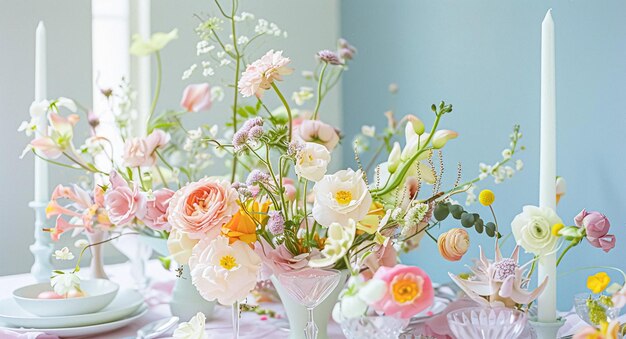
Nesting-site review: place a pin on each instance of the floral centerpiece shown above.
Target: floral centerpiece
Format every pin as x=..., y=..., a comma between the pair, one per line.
x=275, y=208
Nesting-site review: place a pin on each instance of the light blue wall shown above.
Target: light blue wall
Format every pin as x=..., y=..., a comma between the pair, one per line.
x=484, y=57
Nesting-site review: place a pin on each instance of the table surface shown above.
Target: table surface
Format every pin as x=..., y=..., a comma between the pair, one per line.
x=251, y=325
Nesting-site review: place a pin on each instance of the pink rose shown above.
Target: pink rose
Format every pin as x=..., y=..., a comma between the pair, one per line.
x=156, y=210
x=606, y=243
x=142, y=151
x=196, y=97
x=123, y=204
x=319, y=132
x=597, y=227
x=201, y=208
x=409, y=291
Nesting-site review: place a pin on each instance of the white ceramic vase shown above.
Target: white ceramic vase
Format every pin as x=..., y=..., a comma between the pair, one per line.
x=187, y=301
x=297, y=314
x=96, y=268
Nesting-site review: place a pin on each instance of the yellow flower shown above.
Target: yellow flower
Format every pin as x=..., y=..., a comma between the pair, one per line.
x=486, y=197
x=556, y=228
x=371, y=221
x=598, y=282
x=243, y=224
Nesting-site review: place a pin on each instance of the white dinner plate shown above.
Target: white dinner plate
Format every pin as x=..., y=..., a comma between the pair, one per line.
x=126, y=302
x=87, y=330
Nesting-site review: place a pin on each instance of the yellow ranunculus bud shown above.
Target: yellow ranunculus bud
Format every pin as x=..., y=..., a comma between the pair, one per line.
x=556, y=228
x=598, y=282
x=486, y=197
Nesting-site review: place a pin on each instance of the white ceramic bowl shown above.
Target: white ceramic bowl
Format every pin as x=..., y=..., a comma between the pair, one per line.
x=98, y=294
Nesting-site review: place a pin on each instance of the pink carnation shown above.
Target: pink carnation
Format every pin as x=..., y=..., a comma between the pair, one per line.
x=123, y=203
x=201, y=208
x=409, y=291
x=156, y=210
x=260, y=74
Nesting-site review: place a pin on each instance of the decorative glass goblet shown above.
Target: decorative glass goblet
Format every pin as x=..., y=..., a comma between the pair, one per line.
x=487, y=323
x=309, y=287
x=594, y=309
x=375, y=327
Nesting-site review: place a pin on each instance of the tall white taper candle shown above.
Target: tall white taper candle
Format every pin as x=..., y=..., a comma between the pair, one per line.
x=140, y=65
x=42, y=248
x=546, y=305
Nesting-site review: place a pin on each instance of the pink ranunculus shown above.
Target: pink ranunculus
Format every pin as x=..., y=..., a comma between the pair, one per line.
x=196, y=98
x=409, y=291
x=606, y=243
x=142, y=151
x=319, y=132
x=278, y=260
x=201, y=208
x=123, y=203
x=156, y=210
x=595, y=223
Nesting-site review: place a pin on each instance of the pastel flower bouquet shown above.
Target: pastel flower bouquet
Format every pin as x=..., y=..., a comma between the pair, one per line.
x=276, y=208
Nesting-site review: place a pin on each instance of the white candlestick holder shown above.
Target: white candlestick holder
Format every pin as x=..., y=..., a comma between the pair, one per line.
x=42, y=248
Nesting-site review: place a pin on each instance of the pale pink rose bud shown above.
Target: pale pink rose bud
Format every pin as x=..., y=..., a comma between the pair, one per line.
x=290, y=189
x=453, y=244
x=441, y=137
x=596, y=225
x=156, y=210
x=123, y=203
x=196, y=97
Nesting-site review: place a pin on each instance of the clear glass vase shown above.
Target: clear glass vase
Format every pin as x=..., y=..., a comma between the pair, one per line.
x=603, y=309
x=374, y=327
x=487, y=323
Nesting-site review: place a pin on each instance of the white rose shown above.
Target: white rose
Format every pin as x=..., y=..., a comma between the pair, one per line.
x=532, y=229
x=340, y=197
x=180, y=245
x=312, y=161
x=224, y=272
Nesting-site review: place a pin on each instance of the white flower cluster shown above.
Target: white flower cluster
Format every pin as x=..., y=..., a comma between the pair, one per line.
x=499, y=172
x=303, y=95
x=471, y=196
x=265, y=27
x=416, y=214
x=244, y=16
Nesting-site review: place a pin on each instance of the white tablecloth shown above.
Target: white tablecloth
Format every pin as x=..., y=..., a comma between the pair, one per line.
x=220, y=327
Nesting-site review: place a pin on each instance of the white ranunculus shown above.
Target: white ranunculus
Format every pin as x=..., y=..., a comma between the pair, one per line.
x=352, y=306
x=372, y=291
x=532, y=229
x=224, y=272
x=340, y=197
x=194, y=329
x=180, y=245
x=339, y=238
x=65, y=283
x=312, y=161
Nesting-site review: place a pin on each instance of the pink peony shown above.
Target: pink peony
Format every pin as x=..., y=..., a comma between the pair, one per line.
x=156, y=210
x=201, y=208
x=409, y=291
x=260, y=74
x=319, y=132
x=142, y=151
x=597, y=227
x=196, y=97
x=123, y=203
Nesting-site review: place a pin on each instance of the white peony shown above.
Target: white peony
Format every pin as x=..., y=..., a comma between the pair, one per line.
x=180, y=245
x=224, y=272
x=340, y=197
x=532, y=229
x=312, y=161
x=338, y=241
x=194, y=329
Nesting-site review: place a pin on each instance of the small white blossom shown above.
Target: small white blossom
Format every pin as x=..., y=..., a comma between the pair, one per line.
x=506, y=153
x=471, y=196
x=416, y=213
x=246, y=16
x=228, y=47
x=208, y=72
x=195, y=134
x=64, y=283
x=224, y=62
x=63, y=254
x=242, y=40
x=307, y=75
x=28, y=127
x=220, y=54
x=303, y=95
x=187, y=73
x=213, y=131
x=188, y=145
x=217, y=93
x=368, y=131
x=81, y=243
x=519, y=164
x=203, y=47
x=509, y=171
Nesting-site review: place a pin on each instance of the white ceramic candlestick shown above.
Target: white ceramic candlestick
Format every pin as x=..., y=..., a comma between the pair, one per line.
x=42, y=248
x=140, y=65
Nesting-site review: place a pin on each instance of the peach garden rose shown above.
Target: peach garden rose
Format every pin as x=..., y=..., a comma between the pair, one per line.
x=201, y=208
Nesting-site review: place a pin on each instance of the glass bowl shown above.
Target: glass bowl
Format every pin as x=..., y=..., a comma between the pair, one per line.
x=487, y=323
x=375, y=327
x=603, y=309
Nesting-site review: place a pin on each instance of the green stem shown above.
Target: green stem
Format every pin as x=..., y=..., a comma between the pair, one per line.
x=282, y=99
x=157, y=90
x=143, y=186
x=237, y=71
x=162, y=177
x=319, y=91
x=571, y=244
x=80, y=256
